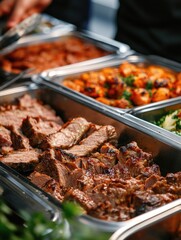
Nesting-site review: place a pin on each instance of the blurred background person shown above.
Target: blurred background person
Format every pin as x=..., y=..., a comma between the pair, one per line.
x=151, y=26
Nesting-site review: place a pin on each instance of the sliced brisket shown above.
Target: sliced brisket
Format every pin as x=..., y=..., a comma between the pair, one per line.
x=69, y=135
x=19, y=141
x=47, y=184
x=22, y=160
x=145, y=201
x=94, y=141
x=37, y=130
x=5, y=137
x=82, y=198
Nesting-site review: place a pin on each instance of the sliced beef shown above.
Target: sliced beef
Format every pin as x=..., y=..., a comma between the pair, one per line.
x=5, y=150
x=92, y=165
x=150, y=181
x=12, y=118
x=47, y=184
x=137, y=161
x=56, y=154
x=54, y=169
x=45, y=112
x=15, y=117
x=5, y=137
x=19, y=140
x=14, y=114
x=92, y=128
x=120, y=170
x=170, y=184
x=26, y=101
x=105, y=211
x=145, y=201
x=37, y=130
x=22, y=160
x=174, y=178
x=39, y=179
x=54, y=189
x=82, y=198
x=94, y=141
x=109, y=155
x=132, y=151
x=70, y=134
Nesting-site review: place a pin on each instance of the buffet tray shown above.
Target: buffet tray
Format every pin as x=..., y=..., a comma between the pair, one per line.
x=68, y=105
x=50, y=24
x=58, y=75
x=114, y=48
x=153, y=113
x=163, y=223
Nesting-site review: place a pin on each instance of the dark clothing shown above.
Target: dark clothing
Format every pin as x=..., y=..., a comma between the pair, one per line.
x=76, y=12
x=151, y=26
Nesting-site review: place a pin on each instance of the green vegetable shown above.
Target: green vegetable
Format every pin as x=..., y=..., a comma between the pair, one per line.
x=126, y=95
x=128, y=80
x=37, y=227
x=171, y=121
x=149, y=85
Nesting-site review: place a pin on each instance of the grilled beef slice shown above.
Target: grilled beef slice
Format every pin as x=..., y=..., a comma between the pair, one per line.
x=22, y=160
x=137, y=161
x=108, y=155
x=145, y=201
x=54, y=169
x=47, y=184
x=94, y=141
x=26, y=101
x=37, y=130
x=19, y=141
x=92, y=165
x=169, y=184
x=70, y=134
x=132, y=151
x=5, y=137
x=15, y=117
x=82, y=198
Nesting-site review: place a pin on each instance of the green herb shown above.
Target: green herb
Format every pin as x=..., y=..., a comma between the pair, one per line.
x=149, y=85
x=37, y=227
x=126, y=95
x=128, y=80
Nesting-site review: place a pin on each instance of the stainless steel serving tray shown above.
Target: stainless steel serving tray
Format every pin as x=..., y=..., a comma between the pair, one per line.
x=50, y=24
x=116, y=48
x=166, y=153
x=153, y=113
x=160, y=224
x=58, y=75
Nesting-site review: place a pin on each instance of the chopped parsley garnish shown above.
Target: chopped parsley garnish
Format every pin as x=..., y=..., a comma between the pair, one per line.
x=149, y=85
x=128, y=80
x=126, y=95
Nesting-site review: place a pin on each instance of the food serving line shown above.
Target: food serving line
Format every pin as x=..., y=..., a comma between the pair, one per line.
x=131, y=124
